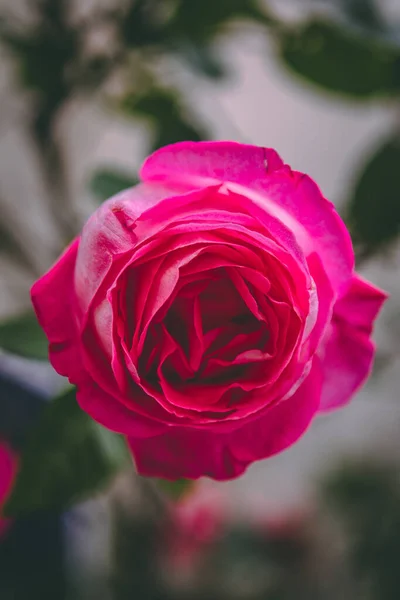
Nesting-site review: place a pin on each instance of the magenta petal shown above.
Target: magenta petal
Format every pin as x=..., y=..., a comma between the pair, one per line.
x=108, y=411
x=185, y=452
x=54, y=301
x=346, y=364
x=192, y=453
x=108, y=235
x=361, y=305
x=281, y=425
x=347, y=357
x=199, y=164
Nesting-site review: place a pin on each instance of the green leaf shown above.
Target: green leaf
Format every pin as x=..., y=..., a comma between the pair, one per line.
x=364, y=12
x=145, y=22
x=23, y=336
x=43, y=56
x=175, y=130
x=342, y=60
x=46, y=59
x=373, y=211
x=202, y=59
x=162, y=22
x=169, y=119
x=176, y=490
x=200, y=20
x=108, y=182
x=67, y=458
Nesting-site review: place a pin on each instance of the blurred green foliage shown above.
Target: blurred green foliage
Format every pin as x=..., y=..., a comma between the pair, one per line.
x=44, y=54
x=364, y=12
x=366, y=499
x=293, y=558
x=135, y=548
x=353, y=51
x=107, y=182
x=169, y=121
x=66, y=458
x=342, y=60
x=23, y=336
x=373, y=210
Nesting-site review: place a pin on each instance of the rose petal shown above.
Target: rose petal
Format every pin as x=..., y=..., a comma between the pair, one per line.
x=220, y=207
x=306, y=212
x=193, y=453
x=108, y=235
x=54, y=301
x=347, y=362
x=347, y=357
x=111, y=413
x=361, y=305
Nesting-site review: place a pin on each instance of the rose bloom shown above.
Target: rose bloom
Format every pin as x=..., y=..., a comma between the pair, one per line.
x=210, y=312
x=8, y=466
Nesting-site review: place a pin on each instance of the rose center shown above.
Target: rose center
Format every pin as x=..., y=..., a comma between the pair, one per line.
x=208, y=335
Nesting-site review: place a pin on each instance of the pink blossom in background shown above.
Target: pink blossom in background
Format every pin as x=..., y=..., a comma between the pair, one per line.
x=211, y=312
x=8, y=466
x=278, y=523
x=195, y=523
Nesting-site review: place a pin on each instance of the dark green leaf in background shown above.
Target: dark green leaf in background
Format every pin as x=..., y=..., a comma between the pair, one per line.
x=45, y=49
x=169, y=119
x=156, y=22
x=342, y=60
x=364, y=12
x=187, y=28
x=107, y=182
x=145, y=22
x=45, y=55
x=175, y=130
x=22, y=335
x=200, y=20
x=67, y=458
x=374, y=208
x=365, y=499
x=201, y=58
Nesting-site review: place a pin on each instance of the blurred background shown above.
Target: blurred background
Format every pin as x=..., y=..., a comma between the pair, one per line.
x=87, y=89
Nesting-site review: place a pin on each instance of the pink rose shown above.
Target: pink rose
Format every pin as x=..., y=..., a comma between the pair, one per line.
x=8, y=466
x=210, y=312
x=196, y=523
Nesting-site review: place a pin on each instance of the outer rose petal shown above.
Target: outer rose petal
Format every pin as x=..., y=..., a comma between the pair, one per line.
x=53, y=299
x=111, y=413
x=109, y=233
x=361, y=304
x=193, y=453
x=62, y=296
x=347, y=357
x=198, y=164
